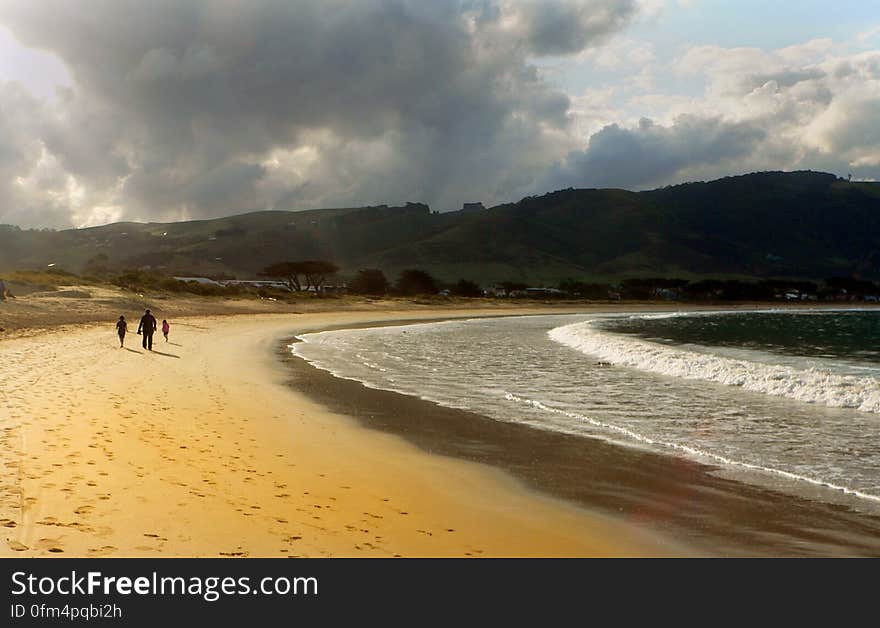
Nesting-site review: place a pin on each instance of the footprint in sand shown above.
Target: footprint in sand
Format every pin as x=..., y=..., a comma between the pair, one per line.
x=16, y=546
x=155, y=536
x=50, y=545
x=101, y=551
x=103, y=532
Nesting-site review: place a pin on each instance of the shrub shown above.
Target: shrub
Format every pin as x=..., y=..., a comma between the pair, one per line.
x=370, y=281
x=412, y=282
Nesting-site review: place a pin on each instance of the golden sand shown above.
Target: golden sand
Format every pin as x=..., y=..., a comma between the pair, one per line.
x=200, y=449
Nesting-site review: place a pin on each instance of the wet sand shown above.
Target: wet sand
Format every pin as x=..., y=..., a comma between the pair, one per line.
x=680, y=499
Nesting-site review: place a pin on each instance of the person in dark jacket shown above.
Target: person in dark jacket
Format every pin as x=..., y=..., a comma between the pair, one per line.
x=148, y=327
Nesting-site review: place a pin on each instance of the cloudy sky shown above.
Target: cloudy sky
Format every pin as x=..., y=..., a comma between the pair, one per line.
x=178, y=109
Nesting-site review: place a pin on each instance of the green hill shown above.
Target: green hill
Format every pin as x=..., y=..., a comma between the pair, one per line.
x=771, y=224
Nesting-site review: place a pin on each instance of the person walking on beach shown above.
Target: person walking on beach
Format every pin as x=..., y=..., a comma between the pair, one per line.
x=121, y=328
x=148, y=327
x=165, y=329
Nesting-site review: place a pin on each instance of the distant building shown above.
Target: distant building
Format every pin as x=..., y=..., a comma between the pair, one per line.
x=330, y=289
x=500, y=291
x=244, y=283
x=256, y=283
x=799, y=295
x=667, y=294
x=201, y=280
x=544, y=292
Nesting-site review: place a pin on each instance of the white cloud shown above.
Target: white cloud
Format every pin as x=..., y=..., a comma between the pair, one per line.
x=813, y=105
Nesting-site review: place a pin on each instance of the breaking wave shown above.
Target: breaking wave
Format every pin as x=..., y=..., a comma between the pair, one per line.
x=810, y=385
x=695, y=452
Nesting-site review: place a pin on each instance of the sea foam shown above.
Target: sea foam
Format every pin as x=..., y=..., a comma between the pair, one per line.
x=810, y=385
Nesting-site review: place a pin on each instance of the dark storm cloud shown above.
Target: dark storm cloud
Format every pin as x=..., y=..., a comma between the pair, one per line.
x=182, y=108
x=558, y=27
x=652, y=154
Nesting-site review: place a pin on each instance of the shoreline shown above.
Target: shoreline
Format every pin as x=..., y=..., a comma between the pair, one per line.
x=200, y=449
x=28, y=316
x=687, y=501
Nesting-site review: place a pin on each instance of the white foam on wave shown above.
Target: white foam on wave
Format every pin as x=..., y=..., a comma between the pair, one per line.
x=693, y=452
x=808, y=385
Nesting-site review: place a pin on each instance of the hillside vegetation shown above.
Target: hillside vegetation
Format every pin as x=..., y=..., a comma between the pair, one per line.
x=773, y=224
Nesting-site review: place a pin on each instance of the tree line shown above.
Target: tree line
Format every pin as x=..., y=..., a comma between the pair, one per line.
x=313, y=276
x=310, y=275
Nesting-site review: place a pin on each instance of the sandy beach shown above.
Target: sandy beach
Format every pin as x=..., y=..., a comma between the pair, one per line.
x=200, y=449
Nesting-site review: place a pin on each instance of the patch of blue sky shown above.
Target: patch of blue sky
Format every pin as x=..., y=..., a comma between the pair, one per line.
x=682, y=24
x=766, y=24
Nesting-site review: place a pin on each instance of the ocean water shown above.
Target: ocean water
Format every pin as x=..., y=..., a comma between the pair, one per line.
x=789, y=400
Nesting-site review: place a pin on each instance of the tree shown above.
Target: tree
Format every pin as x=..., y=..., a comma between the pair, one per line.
x=466, y=288
x=315, y=273
x=851, y=285
x=370, y=281
x=413, y=281
x=585, y=290
x=288, y=272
